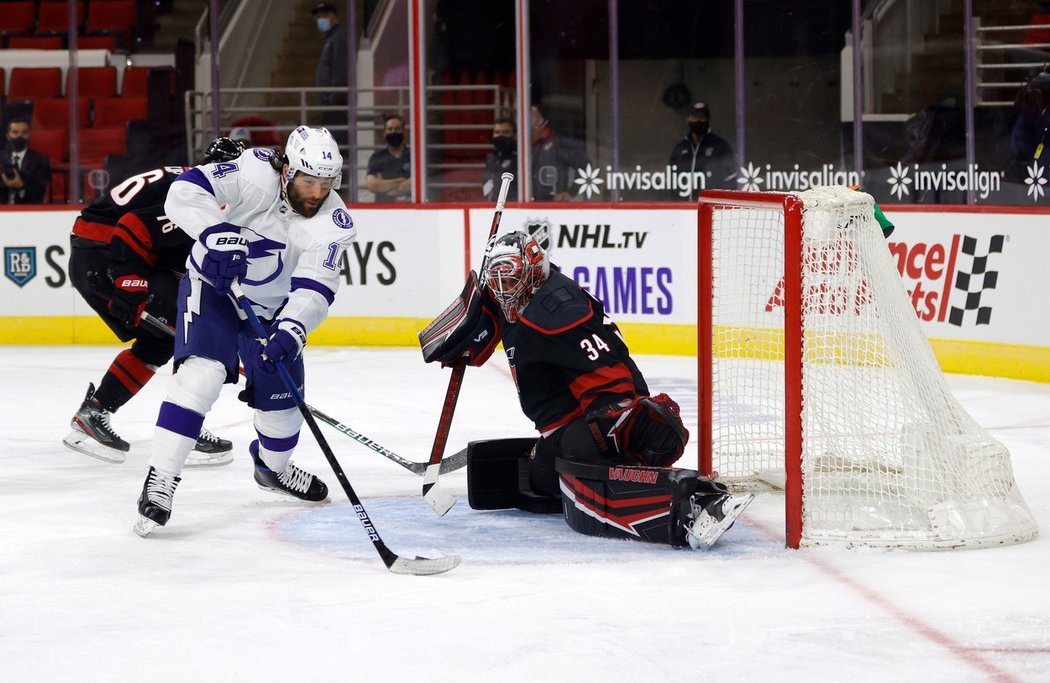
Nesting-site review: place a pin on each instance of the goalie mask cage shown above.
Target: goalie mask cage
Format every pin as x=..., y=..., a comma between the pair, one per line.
x=815, y=377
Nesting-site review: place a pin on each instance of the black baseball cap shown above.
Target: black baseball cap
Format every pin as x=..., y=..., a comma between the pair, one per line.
x=700, y=108
x=324, y=7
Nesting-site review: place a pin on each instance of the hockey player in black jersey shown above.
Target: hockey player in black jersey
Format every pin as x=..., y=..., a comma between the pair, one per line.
x=606, y=445
x=126, y=257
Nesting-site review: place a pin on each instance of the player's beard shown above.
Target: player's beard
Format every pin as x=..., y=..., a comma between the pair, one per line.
x=300, y=203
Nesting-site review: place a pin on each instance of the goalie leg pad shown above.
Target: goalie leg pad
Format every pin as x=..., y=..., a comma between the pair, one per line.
x=498, y=477
x=623, y=501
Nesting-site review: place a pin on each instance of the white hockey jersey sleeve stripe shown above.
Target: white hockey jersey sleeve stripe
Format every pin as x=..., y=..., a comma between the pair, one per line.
x=195, y=176
x=313, y=285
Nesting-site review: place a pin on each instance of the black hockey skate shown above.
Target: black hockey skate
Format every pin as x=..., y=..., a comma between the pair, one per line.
x=712, y=516
x=292, y=482
x=210, y=451
x=155, y=502
x=91, y=433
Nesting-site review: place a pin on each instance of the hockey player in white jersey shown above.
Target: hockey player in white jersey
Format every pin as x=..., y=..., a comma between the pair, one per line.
x=270, y=221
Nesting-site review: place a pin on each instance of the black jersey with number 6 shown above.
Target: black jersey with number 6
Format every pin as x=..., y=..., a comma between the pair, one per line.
x=567, y=356
x=130, y=220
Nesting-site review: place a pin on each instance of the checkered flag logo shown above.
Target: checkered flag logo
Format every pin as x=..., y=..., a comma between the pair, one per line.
x=975, y=282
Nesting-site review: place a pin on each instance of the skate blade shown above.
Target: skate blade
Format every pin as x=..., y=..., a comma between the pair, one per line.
x=144, y=527
x=82, y=443
x=707, y=537
x=198, y=459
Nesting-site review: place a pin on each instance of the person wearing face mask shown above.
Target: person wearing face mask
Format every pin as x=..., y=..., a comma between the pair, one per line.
x=556, y=160
x=389, y=174
x=331, y=70
x=502, y=159
x=701, y=151
x=24, y=172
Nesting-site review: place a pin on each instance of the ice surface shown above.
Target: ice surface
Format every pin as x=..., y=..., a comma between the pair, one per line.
x=245, y=585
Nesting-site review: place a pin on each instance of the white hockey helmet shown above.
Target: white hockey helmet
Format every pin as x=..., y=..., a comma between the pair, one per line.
x=314, y=152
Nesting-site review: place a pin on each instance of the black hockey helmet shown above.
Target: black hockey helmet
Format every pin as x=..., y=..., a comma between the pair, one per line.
x=222, y=149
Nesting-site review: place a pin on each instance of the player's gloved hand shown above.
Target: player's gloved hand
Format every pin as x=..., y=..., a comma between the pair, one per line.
x=226, y=259
x=285, y=343
x=647, y=429
x=128, y=299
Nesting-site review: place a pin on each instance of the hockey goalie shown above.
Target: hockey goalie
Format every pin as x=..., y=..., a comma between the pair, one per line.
x=605, y=447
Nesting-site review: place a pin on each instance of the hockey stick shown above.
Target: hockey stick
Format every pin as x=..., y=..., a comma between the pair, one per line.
x=449, y=464
x=439, y=499
x=420, y=566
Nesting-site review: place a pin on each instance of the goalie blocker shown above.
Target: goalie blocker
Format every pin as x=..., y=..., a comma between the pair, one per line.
x=663, y=505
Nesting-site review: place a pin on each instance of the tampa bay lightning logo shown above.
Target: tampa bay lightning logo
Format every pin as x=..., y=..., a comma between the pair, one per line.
x=262, y=153
x=341, y=217
x=263, y=252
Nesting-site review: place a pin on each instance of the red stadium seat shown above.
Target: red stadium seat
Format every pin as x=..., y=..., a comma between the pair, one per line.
x=136, y=81
x=17, y=18
x=35, y=43
x=52, y=142
x=54, y=113
x=35, y=82
x=97, y=43
x=111, y=112
x=95, y=81
x=53, y=17
x=113, y=17
x=98, y=143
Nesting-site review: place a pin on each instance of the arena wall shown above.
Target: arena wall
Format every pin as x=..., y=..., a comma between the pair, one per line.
x=978, y=277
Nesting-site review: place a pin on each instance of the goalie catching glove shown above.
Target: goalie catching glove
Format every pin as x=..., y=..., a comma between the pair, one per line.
x=128, y=299
x=647, y=429
x=467, y=330
x=285, y=343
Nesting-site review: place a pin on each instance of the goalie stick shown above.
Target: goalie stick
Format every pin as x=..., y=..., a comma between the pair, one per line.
x=449, y=464
x=439, y=499
x=419, y=566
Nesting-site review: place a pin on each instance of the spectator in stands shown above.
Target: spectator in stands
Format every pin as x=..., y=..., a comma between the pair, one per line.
x=502, y=158
x=1028, y=139
x=24, y=172
x=556, y=159
x=331, y=70
x=241, y=135
x=701, y=151
x=255, y=131
x=390, y=169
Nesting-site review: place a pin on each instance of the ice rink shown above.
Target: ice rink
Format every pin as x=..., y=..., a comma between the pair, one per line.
x=243, y=585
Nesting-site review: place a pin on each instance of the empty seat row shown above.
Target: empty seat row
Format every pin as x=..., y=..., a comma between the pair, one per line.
x=93, y=81
x=107, y=42
x=113, y=17
x=101, y=112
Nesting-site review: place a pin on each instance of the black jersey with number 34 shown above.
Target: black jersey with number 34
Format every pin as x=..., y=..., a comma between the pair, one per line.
x=567, y=356
x=142, y=238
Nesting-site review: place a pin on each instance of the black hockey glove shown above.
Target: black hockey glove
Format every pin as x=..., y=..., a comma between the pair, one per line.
x=467, y=330
x=128, y=299
x=647, y=429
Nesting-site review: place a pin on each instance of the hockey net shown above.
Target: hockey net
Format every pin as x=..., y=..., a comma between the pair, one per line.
x=816, y=377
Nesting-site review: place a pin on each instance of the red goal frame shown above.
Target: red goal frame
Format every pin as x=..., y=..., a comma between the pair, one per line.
x=791, y=208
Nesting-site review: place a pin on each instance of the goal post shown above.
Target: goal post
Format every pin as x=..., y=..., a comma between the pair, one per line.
x=815, y=377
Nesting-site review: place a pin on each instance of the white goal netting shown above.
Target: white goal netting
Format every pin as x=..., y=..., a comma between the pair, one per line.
x=888, y=456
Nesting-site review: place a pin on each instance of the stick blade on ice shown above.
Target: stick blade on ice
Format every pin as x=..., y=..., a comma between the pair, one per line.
x=422, y=566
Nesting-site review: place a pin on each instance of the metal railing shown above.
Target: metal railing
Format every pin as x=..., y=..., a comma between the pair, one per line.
x=299, y=106
x=1005, y=65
